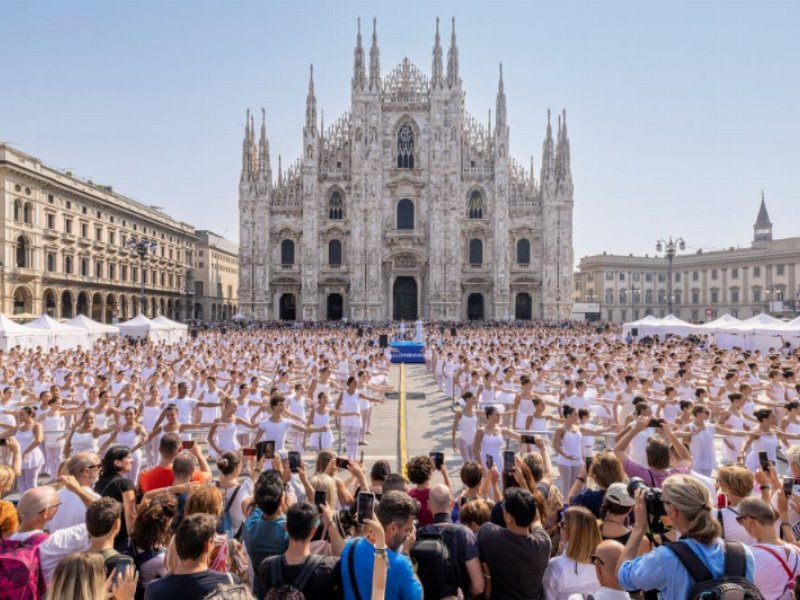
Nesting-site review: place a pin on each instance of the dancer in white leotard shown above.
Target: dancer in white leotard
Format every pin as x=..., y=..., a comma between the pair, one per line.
x=568, y=443
x=85, y=436
x=275, y=428
x=54, y=427
x=224, y=433
x=320, y=417
x=30, y=437
x=465, y=423
x=490, y=438
x=349, y=411
x=130, y=435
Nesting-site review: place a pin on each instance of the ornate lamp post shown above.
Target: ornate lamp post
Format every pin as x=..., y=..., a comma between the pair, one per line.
x=670, y=248
x=141, y=247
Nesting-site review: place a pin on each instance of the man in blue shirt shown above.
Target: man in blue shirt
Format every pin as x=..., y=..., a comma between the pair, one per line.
x=688, y=506
x=395, y=512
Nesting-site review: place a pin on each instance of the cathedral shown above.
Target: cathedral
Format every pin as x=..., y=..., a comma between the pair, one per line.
x=405, y=207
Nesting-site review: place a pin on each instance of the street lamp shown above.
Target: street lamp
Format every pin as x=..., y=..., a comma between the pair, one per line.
x=141, y=247
x=670, y=248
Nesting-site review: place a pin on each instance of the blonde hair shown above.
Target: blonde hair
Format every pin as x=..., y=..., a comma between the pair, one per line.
x=208, y=499
x=7, y=479
x=582, y=532
x=606, y=469
x=79, y=576
x=739, y=480
x=325, y=483
x=691, y=499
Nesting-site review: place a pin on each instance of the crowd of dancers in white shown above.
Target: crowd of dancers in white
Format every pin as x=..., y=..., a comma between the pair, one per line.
x=582, y=390
x=293, y=387
x=311, y=390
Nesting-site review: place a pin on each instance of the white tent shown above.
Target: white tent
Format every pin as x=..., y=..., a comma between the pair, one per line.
x=13, y=334
x=719, y=323
x=178, y=331
x=66, y=337
x=675, y=326
x=646, y=326
x=93, y=328
x=239, y=317
x=743, y=333
x=141, y=327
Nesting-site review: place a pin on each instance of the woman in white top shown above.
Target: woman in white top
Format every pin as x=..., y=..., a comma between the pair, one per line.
x=701, y=433
x=490, y=438
x=348, y=408
x=791, y=422
x=54, y=427
x=84, y=435
x=568, y=443
x=151, y=410
x=130, y=435
x=523, y=404
x=29, y=436
x=733, y=419
x=275, y=428
x=319, y=417
x=573, y=572
x=465, y=422
x=223, y=436
x=766, y=437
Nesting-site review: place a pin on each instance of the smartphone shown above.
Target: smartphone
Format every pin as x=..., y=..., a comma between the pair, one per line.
x=122, y=566
x=508, y=461
x=528, y=439
x=320, y=498
x=361, y=457
x=788, y=485
x=187, y=444
x=489, y=461
x=365, y=506
x=294, y=461
x=588, y=463
x=655, y=423
x=3, y=441
x=342, y=463
x=438, y=459
x=763, y=458
x=248, y=452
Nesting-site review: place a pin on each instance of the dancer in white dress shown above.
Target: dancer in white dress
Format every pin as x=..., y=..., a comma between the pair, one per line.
x=320, y=417
x=130, y=434
x=54, y=426
x=490, y=438
x=348, y=408
x=465, y=423
x=223, y=436
x=733, y=418
x=30, y=436
x=275, y=428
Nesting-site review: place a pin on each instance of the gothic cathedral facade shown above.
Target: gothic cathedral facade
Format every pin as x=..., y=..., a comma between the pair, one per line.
x=406, y=207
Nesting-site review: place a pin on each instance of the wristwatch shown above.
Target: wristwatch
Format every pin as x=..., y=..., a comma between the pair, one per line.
x=381, y=552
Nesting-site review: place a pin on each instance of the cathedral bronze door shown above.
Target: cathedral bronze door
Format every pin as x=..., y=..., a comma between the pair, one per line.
x=287, y=308
x=523, y=307
x=335, y=307
x=475, y=307
x=404, y=299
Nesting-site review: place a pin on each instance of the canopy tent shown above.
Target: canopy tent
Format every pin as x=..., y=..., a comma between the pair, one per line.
x=95, y=330
x=239, y=317
x=140, y=327
x=178, y=331
x=743, y=334
x=65, y=337
x=13, y=334
x=646, y=326
x=672, y=325
x=719, y=323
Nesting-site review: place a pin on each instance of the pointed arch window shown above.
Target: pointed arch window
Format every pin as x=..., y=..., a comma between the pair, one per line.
x=475, y=205
x=335, y=252
x=475, y=252
x=405, y=147
x=287, y=252
x=336, y=206
x=405, y=214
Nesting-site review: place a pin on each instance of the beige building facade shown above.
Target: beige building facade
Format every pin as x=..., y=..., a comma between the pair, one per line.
x=216, y=277
x=742, y=282
x=66, y=248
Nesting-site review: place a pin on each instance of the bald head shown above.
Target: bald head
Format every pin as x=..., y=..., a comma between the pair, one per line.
x=34, y=503
x=440, y=499
x=608, y=552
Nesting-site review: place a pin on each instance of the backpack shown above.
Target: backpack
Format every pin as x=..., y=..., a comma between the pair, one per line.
x=225, y=522
x=733, y=584
x=21, y=576
x=436, y=568
x=280, y=590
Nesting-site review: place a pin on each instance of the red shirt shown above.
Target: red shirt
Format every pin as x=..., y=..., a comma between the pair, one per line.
x=160, y=477
x=424, y=515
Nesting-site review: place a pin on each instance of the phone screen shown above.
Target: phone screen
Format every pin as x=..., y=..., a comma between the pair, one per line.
x=320, y=498
x=3, y=441
x=248, y=451
x=588, y=463
x=342, y=463
x=365, y=505
x=294, y=461
x=528, y=439
x=788, y=485
x=187, y=444
x=508, y=461
x=763, y=458
x=654, y=423
x=123, y=564
x=438, y=459
x=489, y=461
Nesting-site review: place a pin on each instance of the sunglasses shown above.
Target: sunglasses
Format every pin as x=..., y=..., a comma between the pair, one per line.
x=740, y=518
x=596, y=559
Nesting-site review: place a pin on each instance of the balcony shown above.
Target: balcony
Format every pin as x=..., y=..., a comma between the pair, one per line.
x=98, y=245
x=85, y=242
x=51, y=234
x=21, y=274
x=68, y=237
x=405, y=236
x=111, y=248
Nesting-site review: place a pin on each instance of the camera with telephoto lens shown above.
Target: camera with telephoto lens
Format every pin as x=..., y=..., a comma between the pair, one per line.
x=653, y=502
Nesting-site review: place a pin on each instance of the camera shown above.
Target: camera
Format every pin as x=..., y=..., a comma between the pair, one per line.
x=653, y=502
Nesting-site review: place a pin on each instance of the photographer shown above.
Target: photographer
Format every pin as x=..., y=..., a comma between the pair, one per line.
x=658, y=452
x=687, y=504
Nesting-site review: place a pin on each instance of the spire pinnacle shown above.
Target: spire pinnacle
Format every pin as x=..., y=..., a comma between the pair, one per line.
x=453, y=78
x=311, y=105
x=359, y=70
x=547, y=153
x=247, y=148
x=437, y=72
x=500, y=112
x=374, y=59
x=763, y=226
x=263, y=149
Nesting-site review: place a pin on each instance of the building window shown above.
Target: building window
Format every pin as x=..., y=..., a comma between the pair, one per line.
x=287, y=252
x=609, y=297
x=713, y=274
x=405, y=147
x=230, y=292
x=51, y=221
x=636, y=276
x=112, y=271
x=734, y=295
x=695, y=315
x=475, y=205
x=23, y=252
x=623, y=297
x=219, y=290
x=85, y=267
x=51, y=262
x=714, y=296
x=475, y=252
x=610, y=315
x=661, y=277
x=662, y=297
x=624, y=315
x=648, y=296
x=677, y=277
x=98, y=269
x=523, y=252
x=163, y=279
x=112, y=238
x=336, y=206
x=124, y=272
x=609, y=276
x=98, y=234
x=695, y=276
x=779, y=269
x=335, y=252
x=756, y=294
x=735, y=314
x=756, y=271
x=405, y=214
x=67, y=225
x=27, y=213
x=648, y=277
x=734, y=273
x=17, y=210
x=68, y=265
x=695, y=296
x=621, y=276
x=84, y=230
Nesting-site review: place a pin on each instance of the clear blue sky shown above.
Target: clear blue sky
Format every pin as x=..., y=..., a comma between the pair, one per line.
x=679, y=113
